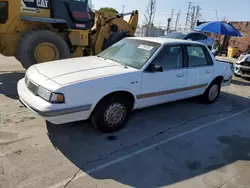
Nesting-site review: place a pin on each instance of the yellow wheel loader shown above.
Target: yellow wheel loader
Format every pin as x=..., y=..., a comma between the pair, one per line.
x=37, y=31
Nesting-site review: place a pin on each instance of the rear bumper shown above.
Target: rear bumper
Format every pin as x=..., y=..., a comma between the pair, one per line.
x=54, y=113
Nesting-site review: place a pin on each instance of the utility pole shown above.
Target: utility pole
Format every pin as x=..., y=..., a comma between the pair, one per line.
x=197, y=15
x=177, y=20
x=216, y=12
x=123, y=9
x=188, y=14
x=192, y=17
x=172, y=18
x=168, y=28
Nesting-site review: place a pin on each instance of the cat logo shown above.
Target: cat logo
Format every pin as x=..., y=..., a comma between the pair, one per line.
x=42, y=3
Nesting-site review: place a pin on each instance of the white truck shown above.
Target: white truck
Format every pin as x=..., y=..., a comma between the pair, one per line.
x=132, y=74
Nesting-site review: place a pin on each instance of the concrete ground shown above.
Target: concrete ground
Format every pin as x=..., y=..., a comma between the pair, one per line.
x=183, y=144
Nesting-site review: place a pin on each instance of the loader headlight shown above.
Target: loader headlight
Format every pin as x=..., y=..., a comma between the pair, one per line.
x=50, y=96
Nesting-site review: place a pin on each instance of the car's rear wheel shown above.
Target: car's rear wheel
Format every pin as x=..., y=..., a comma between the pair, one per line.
x=212, y=92
x=111, y=114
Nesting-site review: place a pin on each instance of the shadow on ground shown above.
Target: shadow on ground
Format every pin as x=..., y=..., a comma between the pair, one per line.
x=8, y=83
x=85, y=147
x=241, y=82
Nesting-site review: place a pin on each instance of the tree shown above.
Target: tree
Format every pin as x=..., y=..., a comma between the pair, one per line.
x=108, y=9
x=149, y=15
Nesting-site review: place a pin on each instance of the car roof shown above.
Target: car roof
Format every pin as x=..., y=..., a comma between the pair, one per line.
x=189, y=32
x=165, y=40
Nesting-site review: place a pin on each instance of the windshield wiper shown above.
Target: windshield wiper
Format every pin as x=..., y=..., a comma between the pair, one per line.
x=123, y=64
x=102, y=57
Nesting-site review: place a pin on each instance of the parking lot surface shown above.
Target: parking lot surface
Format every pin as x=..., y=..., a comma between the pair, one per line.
x=181, y=144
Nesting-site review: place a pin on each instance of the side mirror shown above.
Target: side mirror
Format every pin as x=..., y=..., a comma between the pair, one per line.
x=156, y=68
x=189, y=39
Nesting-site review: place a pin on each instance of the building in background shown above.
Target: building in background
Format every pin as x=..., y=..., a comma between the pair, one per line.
x=242, y=44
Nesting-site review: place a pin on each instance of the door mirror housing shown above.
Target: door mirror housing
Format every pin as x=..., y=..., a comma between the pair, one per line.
x=156, y=68
x=189, y=39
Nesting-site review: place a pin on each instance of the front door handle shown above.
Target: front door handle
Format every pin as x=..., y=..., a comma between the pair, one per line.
x=180, y=75
x=208, y=72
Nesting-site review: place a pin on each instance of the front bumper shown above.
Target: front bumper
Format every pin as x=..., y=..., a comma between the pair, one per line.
x=243, y=71
x=54, y=113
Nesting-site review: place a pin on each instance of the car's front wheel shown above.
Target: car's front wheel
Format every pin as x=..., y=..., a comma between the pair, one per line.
x=111, y=114
x=212, y=92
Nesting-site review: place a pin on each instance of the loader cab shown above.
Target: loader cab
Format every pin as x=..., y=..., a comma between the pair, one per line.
x=4, y=12
x=75, y=12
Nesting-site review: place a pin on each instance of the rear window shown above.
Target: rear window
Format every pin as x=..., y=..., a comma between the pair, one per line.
x=201, y=37
x=3, y=12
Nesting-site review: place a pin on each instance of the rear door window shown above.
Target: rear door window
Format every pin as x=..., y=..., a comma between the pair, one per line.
x=197, y=56
x=170, y=57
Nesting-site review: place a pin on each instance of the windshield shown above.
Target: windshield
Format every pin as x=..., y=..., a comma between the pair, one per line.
x=175, y=35
x=131, y=52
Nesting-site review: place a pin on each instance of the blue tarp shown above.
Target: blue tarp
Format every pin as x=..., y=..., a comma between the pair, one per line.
x=219, y=28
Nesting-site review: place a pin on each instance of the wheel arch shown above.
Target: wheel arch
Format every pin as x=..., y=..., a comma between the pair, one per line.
x=216, y=79
x=124, y=93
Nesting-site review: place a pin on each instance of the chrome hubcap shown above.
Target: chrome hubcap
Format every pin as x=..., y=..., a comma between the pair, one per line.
x=213, y=92
x=114, y=114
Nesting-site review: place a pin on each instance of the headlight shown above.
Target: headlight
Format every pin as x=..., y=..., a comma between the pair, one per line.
x=44, y=93
x=50, y=96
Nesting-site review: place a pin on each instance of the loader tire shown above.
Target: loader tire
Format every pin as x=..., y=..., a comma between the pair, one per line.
x=38, y=46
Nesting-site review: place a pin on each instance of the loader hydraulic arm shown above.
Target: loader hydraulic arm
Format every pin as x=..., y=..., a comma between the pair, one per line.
x=110, y=27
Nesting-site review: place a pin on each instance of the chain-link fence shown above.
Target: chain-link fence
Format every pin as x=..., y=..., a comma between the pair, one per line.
x=146, y=31
x=143, y=31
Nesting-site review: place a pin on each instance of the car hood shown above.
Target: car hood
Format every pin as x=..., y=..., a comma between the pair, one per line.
x=73, y=70
x=243, y=58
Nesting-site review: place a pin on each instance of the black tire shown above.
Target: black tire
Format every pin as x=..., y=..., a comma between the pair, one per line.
x=206, y=97
x=98, y=116
x=32, y=39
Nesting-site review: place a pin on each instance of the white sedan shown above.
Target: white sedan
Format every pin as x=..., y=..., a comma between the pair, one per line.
x=132, y=74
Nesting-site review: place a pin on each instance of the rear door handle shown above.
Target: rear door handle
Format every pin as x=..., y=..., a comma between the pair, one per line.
x=180, y=75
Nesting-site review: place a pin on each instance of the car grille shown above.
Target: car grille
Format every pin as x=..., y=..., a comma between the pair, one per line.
x=245, y=63
x=246, y=72
x=31, y=86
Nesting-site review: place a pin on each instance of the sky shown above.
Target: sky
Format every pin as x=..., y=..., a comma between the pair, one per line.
x=231, y=9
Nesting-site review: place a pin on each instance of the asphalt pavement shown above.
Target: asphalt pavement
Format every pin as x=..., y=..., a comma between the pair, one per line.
x=181, y=144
